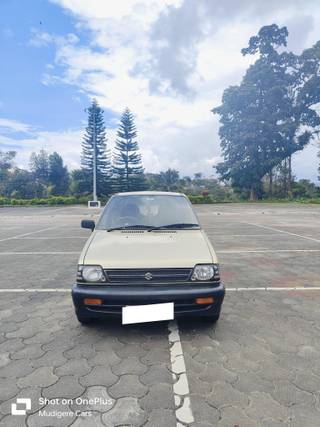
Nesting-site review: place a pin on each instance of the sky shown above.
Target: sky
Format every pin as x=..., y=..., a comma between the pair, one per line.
x=169, y=61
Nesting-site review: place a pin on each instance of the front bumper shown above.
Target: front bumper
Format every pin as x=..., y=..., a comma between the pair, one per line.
x=115, y=297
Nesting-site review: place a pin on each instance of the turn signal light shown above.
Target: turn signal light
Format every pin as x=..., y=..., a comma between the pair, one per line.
x=207, y=300
x=92, y=301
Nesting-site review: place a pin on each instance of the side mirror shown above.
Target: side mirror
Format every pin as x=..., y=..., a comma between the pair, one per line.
x=88, y=223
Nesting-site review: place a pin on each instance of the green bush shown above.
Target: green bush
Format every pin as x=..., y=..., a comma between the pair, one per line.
x=315, y=201
x=48, y=201
x=83, y=200
x=201, y=199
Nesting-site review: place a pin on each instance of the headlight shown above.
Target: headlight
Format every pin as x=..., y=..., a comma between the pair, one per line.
x=205, y=272
x=90, y=273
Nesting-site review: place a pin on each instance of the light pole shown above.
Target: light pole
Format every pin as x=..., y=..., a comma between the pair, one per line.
x=94, y=161
x=95, y=203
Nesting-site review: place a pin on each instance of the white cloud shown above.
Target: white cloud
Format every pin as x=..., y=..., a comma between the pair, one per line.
x=135, y=44
x=66, y=142
x=305, y=163
x=9, y=126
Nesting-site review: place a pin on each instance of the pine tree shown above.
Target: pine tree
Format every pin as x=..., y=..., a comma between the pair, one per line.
x=96, y=132
x=127, y=164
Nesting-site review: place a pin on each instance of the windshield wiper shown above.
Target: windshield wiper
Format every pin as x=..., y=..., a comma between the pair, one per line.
x=179, y=225
x=131, y=227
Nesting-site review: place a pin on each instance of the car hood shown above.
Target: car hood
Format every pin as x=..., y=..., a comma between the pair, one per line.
x=141, y=249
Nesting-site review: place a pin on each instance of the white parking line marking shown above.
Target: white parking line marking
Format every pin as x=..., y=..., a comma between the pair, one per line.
x=249, y=251
x=239, y=289
x=283, y=231
x=28, y=234
x=179, y=375
x=275, y=288
x=213, y=234
x=227, y=251
x=52, y=238
x=41, y=253
x=49, y=290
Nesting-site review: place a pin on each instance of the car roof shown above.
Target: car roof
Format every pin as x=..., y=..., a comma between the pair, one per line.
x=149, y=193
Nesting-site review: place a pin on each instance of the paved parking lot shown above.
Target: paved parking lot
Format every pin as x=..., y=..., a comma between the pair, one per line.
x=259, y=366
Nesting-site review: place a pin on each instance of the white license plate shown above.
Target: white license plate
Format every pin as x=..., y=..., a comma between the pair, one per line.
x=147, y=313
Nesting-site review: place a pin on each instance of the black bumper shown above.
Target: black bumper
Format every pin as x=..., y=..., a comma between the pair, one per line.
x=115, y=297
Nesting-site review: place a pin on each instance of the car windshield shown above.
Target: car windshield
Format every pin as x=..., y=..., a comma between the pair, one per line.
x=148, y=211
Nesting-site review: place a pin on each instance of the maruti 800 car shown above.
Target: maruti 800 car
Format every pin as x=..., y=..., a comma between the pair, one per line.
x=147, y=259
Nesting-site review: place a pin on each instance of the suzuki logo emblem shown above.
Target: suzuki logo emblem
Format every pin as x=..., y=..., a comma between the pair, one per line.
x=148, y=276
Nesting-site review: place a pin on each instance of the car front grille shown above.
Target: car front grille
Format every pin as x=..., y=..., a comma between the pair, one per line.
x=152, y=275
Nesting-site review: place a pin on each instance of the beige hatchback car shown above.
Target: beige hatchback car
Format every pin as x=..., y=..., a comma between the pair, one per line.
x=147, y=259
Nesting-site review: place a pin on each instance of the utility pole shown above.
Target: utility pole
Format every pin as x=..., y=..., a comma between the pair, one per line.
x=95, y=203
x=94, y=161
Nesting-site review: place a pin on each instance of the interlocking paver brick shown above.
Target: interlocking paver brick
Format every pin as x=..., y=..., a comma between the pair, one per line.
x=126, y=411
x=10, y=421
x=202, y=411
x=234, y=416
x=262, y=406
x=42, y=377
x=29, y=351
x=160, y=396
x=129, y=365
x=8, y=388
x=161, y=418
x=81, y=350
x=50, y=358
x=99, y=375
x=4, y=359
x=128, y=385
x=94, y=420
x=155, y=356
x=225, y=394
x=67, y=386
x=131, y=350
x=16, y=369
x=12, y=345
x=288, y=394
x=103, y=358
x=76, y=367
x=157, y=374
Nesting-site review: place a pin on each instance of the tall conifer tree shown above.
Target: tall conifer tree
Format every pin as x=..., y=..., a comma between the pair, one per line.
x=95, y=135
x=127, y=163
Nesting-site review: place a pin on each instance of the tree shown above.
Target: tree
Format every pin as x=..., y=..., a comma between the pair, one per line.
x=268, y=117
x=305, y=188
x=22, y=185
x=39, y=166
x=6, y=164
x=169, y=179
x=6, y=159
x=127, y=164
x=81, y=182
x=95, y=136
x=58, y=175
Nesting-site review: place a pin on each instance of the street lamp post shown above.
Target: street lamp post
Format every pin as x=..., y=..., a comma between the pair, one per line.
x=94, y=161
x=95, y=203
